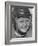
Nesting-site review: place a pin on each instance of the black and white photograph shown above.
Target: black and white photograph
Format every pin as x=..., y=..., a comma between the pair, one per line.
x=20, y=22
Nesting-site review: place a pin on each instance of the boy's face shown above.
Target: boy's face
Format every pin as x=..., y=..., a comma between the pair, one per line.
x=23, y=24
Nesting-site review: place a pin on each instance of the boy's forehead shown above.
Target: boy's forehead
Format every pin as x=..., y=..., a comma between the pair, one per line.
x=19, y=19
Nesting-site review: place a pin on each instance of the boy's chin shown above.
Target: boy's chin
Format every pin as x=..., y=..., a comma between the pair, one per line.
x=23, y=30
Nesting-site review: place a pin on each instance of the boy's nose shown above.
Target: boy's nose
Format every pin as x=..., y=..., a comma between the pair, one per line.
x=25, y=25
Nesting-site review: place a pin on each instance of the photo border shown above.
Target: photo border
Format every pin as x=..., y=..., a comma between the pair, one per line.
x=8, y=20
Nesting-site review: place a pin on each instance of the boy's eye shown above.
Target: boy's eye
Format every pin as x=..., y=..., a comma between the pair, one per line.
x=21, y=21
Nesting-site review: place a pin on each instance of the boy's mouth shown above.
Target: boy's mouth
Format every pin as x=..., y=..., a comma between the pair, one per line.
x=23, y=29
